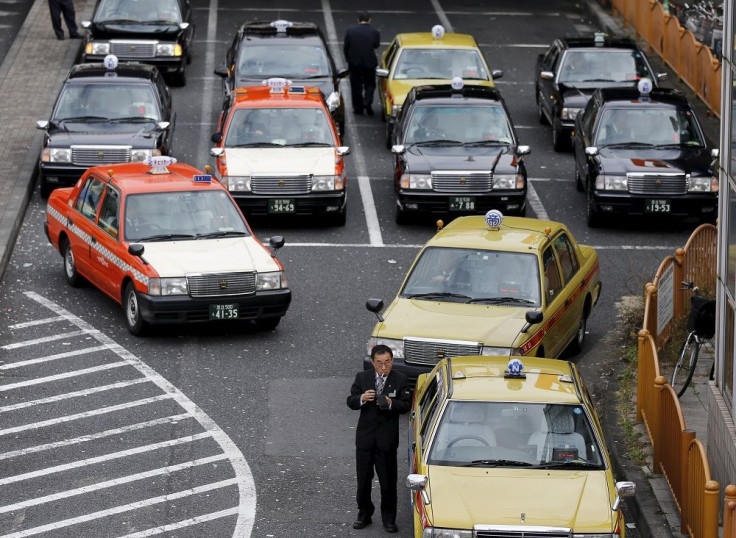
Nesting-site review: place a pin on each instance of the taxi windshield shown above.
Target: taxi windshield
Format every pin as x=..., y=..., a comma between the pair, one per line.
x=263, y=127
x=440, y=64
x=515, y=434
x=181, y=215
x=651, y=125
x=466, y=124
x=475, y=276
x=103, y=102
x=290, y=61
x=603, y=65
x=143, y=11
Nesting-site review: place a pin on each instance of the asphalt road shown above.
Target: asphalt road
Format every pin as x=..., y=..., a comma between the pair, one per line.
x=12, y=15
x=229, y=431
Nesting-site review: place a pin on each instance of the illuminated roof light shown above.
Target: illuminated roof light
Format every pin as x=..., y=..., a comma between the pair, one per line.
x=110, y=61
x=494, y=219
x=515, y=368
x=281, y=25
x=599, y=39
x=457, y=83
x=645, y=87
x=438, y=31
x=159, y=163
x=298, y=90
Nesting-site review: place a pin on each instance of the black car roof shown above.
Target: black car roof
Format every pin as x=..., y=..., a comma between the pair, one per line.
x=580, y=42
x=123, y=70
x=443, y=91
x=660, y=95
x=264, y=29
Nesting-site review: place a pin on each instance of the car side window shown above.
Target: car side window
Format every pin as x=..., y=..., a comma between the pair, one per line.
x=89, y=198
x=108, y=220
x=427, y=419
x=552, y=278
x=427, y=398
x=591, y=111
x=163, y=92
x=550, y=59
x=390, y=53
x=566, y=254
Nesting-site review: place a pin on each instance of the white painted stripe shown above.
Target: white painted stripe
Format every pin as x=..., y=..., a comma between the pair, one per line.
x=206, y=87
x=91, y=437
x=371, y=215
x=54, y=357
x=243, y=475
x=65, y=375
x=516, y=45
x=444, y=21
x=365, y=245
x=99, y=459
x=35, y=322
x=75, y=394
x=110, y=483
x=124, y=508
x=534, y=201
x=513, y=82
x=84, y=414
x=183, y=524
x=43, y=340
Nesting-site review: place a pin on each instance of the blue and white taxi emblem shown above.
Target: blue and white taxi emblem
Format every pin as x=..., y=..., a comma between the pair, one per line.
x=494, y=218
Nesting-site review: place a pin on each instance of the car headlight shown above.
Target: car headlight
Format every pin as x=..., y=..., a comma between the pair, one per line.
x=333, y=101
x=416, y=181
x=491, y=351
x=396, y=346
x=168, y=49
x=270, y=281
x=431, y=532
x=569, y=113
x=611, y=183
x=508, y=181
x=139, y=155
x=326, y=183
x=168, y=286
x=237, y=183
x=702, y=184
x=57, y=155
x=97, y=47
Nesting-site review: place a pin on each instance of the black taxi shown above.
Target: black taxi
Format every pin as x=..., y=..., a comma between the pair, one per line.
x=296, y=51
x=641, y=151
x=457, y=153
x=158, y=33
x=105, y=113
x=570, y=70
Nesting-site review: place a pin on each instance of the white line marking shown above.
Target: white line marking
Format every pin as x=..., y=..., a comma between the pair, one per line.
x=182, y=524
x=124, y=508
x=243, y=475
x=43, y=340
x=48, y=358
x=99, y=459
x=83, y=415
x=207, y=85
x=110, y=483
x=91, y=437
x=442, y=16
x=534, y=201
x=365, y=245
x=364, y=184
x=65, y=375
x=75, y=394
x=35, y=322
x=515, y=45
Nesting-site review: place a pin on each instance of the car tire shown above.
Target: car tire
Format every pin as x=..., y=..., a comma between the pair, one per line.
x=389, y=134
x=339, y=219
x=540, y=112
x=73, y=278
x=578, y=181
x=46, y=188
x=593, y=215
x=576, y=344
x=401, y=216
x=560, y=141
x=267, y=324
x=131, y=307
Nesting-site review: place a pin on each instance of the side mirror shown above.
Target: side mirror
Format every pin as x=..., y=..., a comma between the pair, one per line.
x=623, y=489
x=523, y=150
x=276, y=242
x=381, y=72
x=42, y=124
x=136, y=249
x=497, y=73
x=217, y=152
x=183, y=25
x=86, y=24
x=715, y=153
x=343, y=150
x=398, y=149
x=375, y=306
x=547, y=75
x=163, y=125
x=591, y=151
x=416, y=482
x=216, y=137
x=532, y=317
x=221, y=71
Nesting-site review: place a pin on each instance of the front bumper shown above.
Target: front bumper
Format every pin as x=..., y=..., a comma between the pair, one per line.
x=158, y=310
x=304, y=204
x=692, y=205
x=63, y=175
x=439, y=203
x=165, y=64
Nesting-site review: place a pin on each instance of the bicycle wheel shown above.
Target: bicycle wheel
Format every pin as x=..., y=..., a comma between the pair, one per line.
x=685, y=367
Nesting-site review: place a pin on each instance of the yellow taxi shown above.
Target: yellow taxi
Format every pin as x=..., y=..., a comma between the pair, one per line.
x=168, y=243
x=508, y=448
x=421, y=58
x=491, y=286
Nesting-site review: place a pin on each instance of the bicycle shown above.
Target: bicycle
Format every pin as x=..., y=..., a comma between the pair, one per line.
x=701, y=324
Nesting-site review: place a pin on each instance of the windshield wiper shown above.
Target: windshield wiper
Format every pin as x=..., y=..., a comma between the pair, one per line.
x=498, y=300
x=82, y=118
x=672, y=145
x=437, y=142
x=256, y=145
x=436, y=294
x=229, y=233
x=598, y=80
x=167, y=237
x=132, y=119
x=497, y=463
x=121, y=21
x=487, y=143
x=571, y=464
x=309, y=145
x=628, y=144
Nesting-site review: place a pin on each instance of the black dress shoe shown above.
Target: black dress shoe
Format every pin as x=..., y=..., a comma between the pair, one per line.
x=369, y=111
x=60, y=37
x=362, y=522
x=390, y=527
x=75, y=36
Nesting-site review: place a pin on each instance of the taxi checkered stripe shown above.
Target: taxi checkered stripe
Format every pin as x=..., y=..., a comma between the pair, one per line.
x=105, y=252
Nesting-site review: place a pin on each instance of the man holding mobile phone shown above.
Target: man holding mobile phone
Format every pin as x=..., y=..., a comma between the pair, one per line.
x=381, y=395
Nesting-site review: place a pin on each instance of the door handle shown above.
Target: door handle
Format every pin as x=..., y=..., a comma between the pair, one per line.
x=93, y=239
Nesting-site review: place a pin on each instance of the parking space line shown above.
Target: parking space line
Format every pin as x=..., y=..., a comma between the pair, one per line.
x=84, y=414
x=75, y=394
x=48, y=358
x=207, y=86
x=93, y=436
x=35, y=322
x=110, y=483
x=182, y=524
x=43, y=340
x=124, y=508
x=371, y=215
x=106, y=457
x=65, y=375
x=442, y=16
x=535, y=202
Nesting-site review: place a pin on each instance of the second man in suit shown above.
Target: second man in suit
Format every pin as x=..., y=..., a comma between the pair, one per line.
x=359, y=47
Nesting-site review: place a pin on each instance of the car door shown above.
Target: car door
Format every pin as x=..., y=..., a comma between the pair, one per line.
x=82, y=225
x=107, y=252
x=573, y=287
x=546, y=87
x=387, y=60
x=552, y=285
x=582, y=138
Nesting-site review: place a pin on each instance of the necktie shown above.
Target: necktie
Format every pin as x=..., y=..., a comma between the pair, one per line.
x=379, y=384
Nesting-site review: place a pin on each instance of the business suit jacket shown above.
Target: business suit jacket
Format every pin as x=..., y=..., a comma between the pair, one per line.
x=377, y=428
x=360, y=42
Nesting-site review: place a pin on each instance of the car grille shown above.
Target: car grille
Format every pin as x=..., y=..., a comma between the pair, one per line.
x=217, y=284
x=280, y=185
x=512, y=531
x=133, y=49
x=429, y=352
x=96, y=155
x=657, y=184
x=462, y=181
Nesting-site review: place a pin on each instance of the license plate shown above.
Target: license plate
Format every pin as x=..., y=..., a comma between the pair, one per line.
x=224, y=311
x=657, y=206
x=281, y=205
x=462, y=203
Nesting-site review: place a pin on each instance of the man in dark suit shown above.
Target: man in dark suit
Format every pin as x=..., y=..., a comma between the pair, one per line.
x=58, y=8
x=360, y=43
x=381, y=395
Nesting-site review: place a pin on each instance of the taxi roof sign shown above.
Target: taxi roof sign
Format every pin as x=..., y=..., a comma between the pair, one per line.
x=438, y=31
x=159, y=163
x=281, y=25
x=599, y=38
x=494, y=219
x=277, y=84
x=644, y=86
x=110, y=61
x=515, y=369
x=457, y=83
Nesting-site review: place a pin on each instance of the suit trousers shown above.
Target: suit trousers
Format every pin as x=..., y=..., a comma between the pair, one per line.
x=57, y=8
x=386, y=469
x=362, y=86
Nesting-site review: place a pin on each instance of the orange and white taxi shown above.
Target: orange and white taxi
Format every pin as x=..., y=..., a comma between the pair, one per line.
x=168, y=243
x=278, y=152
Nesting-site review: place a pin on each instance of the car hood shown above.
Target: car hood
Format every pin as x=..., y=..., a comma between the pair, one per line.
x=400, y=88
x=270, y=161
x=462, y=497
x=427, y=158
x=690, y=160
x=106, y=134
x=158, y=31
x=231, y=254
x=490, y=324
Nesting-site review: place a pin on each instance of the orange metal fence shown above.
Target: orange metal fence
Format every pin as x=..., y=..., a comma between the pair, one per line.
x=729, y=512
